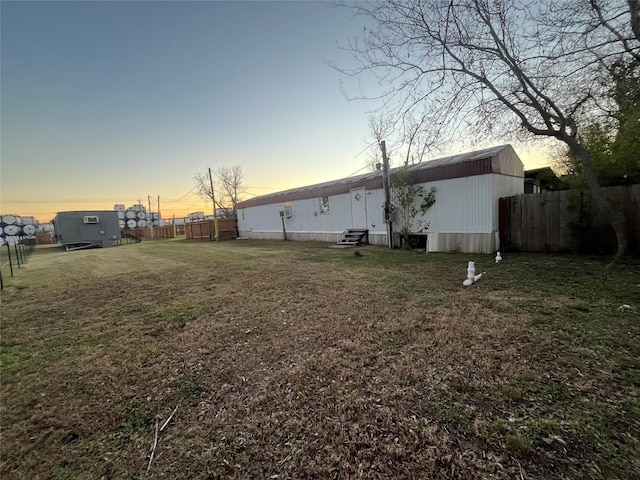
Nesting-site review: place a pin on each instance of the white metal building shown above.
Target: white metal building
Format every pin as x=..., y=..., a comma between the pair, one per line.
x=465, y=216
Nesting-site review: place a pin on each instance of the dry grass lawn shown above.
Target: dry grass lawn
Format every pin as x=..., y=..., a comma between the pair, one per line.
x=293, y=360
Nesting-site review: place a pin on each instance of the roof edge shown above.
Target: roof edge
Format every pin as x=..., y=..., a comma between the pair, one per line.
x=478, y=162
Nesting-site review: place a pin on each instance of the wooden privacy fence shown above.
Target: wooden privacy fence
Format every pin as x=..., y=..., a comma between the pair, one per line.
x=164, y=232
x=206, y=229
x=158, y=232
x=45, y=239
x=567, y=221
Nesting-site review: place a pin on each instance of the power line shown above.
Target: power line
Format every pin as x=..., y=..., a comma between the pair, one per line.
x=358, y=171
x=183, y=196
x=262, y=188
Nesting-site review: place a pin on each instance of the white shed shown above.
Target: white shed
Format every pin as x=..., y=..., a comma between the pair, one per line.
x=465, y=216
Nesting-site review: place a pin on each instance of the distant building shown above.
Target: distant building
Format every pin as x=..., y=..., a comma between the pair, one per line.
x=539, y=180
x=84, y=229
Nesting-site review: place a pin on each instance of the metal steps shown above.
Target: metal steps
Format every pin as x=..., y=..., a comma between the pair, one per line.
x=131, y=236
x=353, y=237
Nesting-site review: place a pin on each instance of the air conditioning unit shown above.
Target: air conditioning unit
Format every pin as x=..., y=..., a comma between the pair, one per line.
x=91, y=219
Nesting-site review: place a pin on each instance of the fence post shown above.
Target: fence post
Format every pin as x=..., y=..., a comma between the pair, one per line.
x=10, y=262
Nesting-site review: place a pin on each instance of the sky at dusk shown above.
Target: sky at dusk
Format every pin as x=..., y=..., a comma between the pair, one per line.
x=108, y=103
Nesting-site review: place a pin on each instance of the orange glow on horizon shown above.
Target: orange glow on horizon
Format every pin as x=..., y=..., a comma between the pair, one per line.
x=37, y=205
x=44, y=213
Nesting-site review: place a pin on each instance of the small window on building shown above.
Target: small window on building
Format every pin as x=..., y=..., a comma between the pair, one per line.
x=287, y=210
x=91, y=219
x=324, y=205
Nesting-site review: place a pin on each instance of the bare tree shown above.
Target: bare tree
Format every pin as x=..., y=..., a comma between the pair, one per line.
x=498, y=68
x=230, y=186
x=410, y=137
x=203, y=185
x=227, y=187
x=379, y=127
x=415, y=138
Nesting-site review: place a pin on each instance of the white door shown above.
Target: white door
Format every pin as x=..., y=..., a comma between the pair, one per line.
x=359, y=208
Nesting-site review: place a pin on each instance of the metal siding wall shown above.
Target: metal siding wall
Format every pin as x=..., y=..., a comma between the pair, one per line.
x=111, y=225
x=465, y=215
x=462, y=205
x=307, y=223
x=305, y=216
x=464, y=242
x=340, y=212
x=263, y=217
x=302, y=215
x=507, y=162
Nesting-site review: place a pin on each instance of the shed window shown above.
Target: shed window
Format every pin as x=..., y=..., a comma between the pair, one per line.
x=91, y=219
x=324, y=205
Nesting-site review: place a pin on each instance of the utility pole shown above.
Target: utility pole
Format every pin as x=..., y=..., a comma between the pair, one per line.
x=387, y=193
x=158, y=210
x=151, y=217
x=213, y=198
